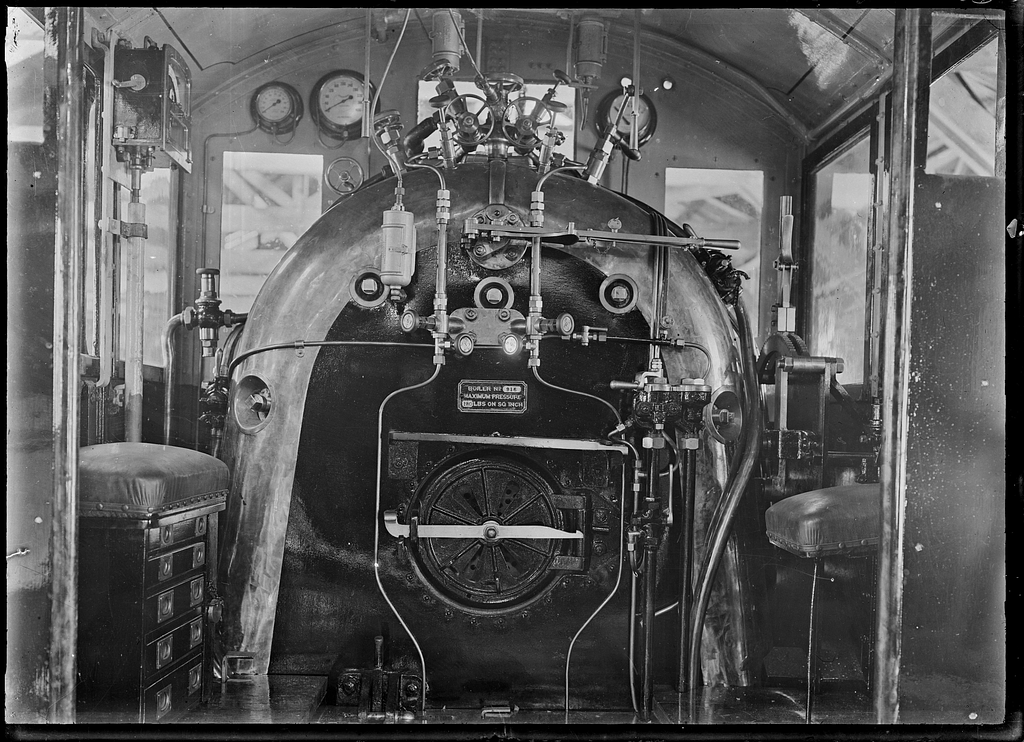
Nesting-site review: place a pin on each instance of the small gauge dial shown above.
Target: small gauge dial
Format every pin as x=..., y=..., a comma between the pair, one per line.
x=276, y=107
x=608, y=113
x=337, y=103
x=178, y=83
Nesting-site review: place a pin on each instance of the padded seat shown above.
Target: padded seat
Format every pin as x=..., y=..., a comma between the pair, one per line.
x=146, y=479
x=835, y=520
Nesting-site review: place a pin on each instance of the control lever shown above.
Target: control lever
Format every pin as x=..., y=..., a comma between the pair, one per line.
x=489, y=530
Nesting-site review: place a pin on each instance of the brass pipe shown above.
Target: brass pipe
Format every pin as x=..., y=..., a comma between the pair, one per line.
x=167, y=343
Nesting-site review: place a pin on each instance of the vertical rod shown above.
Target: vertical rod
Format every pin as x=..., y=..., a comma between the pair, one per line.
x=912, y=50
x=689, y=477
x=480, y=37
x=812, y=638
x=650, y=583
x=106, y=303
x=135, y=305
x=634, y=134
x=64, y=31
x=872, y=305
x=367, y=97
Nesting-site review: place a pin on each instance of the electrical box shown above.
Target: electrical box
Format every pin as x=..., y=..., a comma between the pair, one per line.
x=153, y=105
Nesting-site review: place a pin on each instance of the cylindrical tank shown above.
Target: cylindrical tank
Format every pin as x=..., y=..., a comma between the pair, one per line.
x=313, y=478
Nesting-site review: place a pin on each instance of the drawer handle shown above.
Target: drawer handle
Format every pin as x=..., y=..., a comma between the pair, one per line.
x=199, y=555
x=163, y=701
x=200, y=526
x=166, y=534
x=196, y=592
x=195, y=679
x=195, y=632
x=166, y=568
x=164, y=606
x=164, y=652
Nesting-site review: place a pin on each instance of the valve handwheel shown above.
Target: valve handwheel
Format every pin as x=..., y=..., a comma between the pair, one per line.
x=474, y=121
x=523, y=118
x=344, y=175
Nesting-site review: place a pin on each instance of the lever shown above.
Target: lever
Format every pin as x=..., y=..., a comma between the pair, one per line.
x=489, y=530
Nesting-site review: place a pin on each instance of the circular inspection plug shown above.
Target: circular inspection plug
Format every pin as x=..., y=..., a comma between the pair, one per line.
x=511, y=344
x=465, y=344
x=409, y=321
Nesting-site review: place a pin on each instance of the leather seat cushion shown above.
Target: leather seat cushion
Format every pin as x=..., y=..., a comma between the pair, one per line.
x=146, y=477
x=827, y=521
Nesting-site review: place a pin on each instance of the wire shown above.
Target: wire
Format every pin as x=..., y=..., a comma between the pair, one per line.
x=605, y=402
x=615, y=588
x=376, y=95
x=376, y=528
x=300, y=344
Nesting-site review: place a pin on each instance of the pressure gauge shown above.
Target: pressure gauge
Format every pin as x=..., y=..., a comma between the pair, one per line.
x=646, y=116
x=178, y=85
x=336, y=103
x=276, y=107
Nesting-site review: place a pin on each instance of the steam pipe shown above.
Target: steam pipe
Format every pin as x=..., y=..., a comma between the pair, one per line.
x=167, y=343
x=135, y=302
x=733, y=497
x=441, y=279
x=688, y=463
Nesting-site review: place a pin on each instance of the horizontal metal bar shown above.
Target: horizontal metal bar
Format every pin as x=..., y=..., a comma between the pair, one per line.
x=566, y=444
x=525, y=232
x=489, y=531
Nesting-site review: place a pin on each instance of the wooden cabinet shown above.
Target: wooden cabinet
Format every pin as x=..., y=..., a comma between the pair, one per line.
x=144, y=587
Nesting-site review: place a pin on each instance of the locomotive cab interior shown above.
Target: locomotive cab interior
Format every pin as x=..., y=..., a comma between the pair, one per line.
x=445, y=366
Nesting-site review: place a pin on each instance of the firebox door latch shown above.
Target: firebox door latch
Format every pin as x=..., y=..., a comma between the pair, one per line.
x=488, y=531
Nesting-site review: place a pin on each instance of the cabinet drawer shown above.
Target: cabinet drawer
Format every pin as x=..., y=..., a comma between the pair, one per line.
x=171, y=648
x=173, y=602
x=162, y=568
x=163, y=537
x=181, y=690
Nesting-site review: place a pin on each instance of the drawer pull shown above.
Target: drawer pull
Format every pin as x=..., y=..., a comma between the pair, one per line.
x=201, y=526
x=195, y=679
x=196, y=592
x=166, y=568
x=164, y=651
x=163, y=701
x=199, y=555
x=166, y=535
x=164, y=606
x=195, y=633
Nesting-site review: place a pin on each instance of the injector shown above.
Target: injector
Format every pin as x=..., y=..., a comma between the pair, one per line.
x=207, y=314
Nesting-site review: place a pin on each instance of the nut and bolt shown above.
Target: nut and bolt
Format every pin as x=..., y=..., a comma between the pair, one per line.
x=412, y=688
x=504, y=314
x=512, y=253
x=598, y=547
x=348, y=685
x=480, y=250
x=471, y=314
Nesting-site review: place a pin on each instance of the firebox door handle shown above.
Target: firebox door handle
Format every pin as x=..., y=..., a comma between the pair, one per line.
x=488, y=531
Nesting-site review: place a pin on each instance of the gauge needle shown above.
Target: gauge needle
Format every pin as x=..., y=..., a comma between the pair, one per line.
x=338, y=103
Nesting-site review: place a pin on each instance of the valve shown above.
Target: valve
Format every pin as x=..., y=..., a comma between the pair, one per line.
x=387, y=131
x=562, y=325
x=473, y=119
x=411, y=321
x=207, y=314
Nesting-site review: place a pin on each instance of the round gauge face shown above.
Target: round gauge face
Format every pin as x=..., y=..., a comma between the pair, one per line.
x=337, y=103
x=274, y=104
x=611, y=111
x=276, y=107
x=341, y=100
